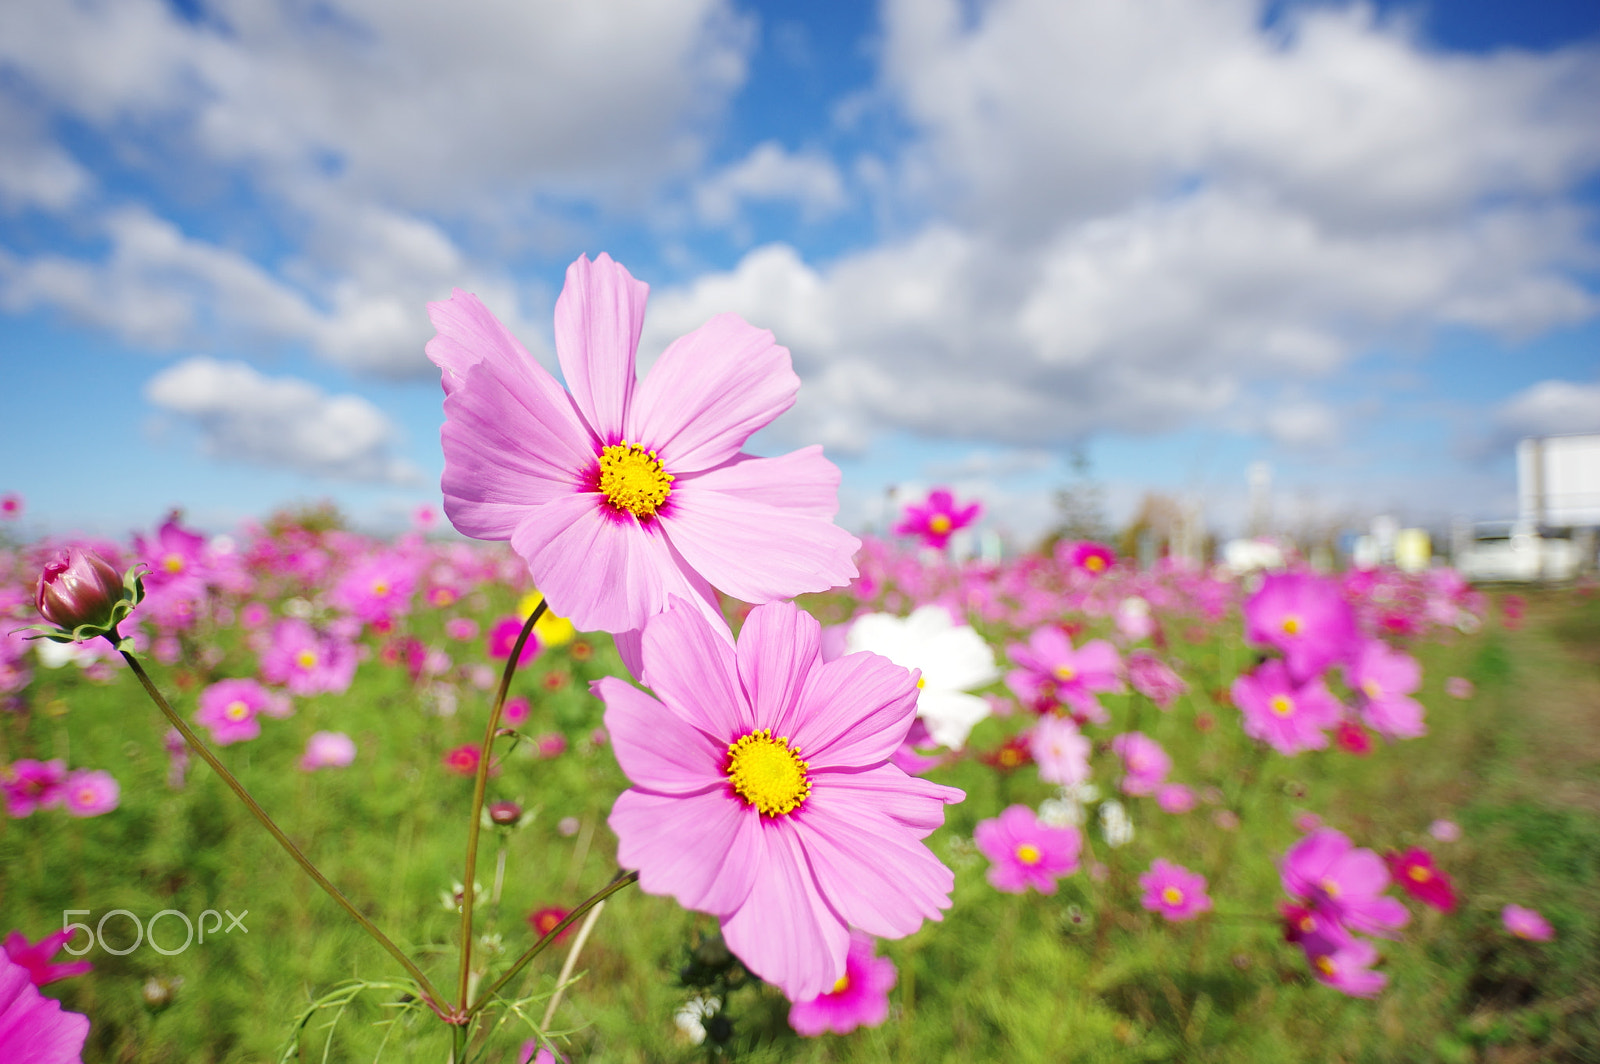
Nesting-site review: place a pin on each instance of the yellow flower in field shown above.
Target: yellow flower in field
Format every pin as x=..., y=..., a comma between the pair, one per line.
x=552, y=631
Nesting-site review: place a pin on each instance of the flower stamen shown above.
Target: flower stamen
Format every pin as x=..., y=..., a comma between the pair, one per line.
x=633, y=479
x=767, y=773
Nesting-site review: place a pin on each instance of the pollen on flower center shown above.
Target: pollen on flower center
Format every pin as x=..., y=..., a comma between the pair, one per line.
x=939, y=523
x=1028, y=853
x=1325, y=966
x=173, y=563
x=1065, y=673
x=1094, y=563
x=1371, y=688
x=1330, y=888
x=633, y=479
x=767, y=773
x=1291, y=626
x=1281, y=705
x=236, y=710
x=306, y=659
x=1419, y=873
x=1172, y=896
x=840, y=985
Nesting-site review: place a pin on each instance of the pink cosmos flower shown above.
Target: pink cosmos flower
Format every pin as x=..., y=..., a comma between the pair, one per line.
x=1445, y=830
x=1151, y=677
x=1175, y=798
x=1174, y=891
x=1527, y=923
x=935, y=520
x=379, y=589
x=1144, y=763
x=622, y=492
x=1305, y=617
x=1024, y=853
x=1060, y=750
x=89, y=792
x=1385, y=679
x=30, y=785
x=763, y=794
x=10, y=506
x=550, y=744
x=327, y=749
x=1288, y=716
x=1093, y=559
x=35, y=957
x=1458, y=687
x=463, y=760
x=859, y=999
x=228, y=708
x=503, y=636
x=306, y=662
x=1352, y=738
x=1419, y=877
x=462, y=629
x=516, y=711
x=1325, y=872
x=35, y=1029
x=1052, y=671
x=1345, y=966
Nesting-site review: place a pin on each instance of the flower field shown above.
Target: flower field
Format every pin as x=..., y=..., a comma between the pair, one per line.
x=1131, y=890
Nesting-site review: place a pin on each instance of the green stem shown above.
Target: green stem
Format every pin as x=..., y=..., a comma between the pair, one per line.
x=435, y=999
x=479, y=786
x=621, y=880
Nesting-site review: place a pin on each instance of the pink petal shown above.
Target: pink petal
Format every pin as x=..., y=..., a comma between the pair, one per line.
x=753, y=551
x=598, y=319
x=509, y=445
x=709, y=391
x=657, y=749
x=703, y=850
x=690, y=664
x=778, y=646
x=786, y=932
x=855, y=712
x=801, y=481
x=874, y=873
x=600, y=572
x=468, y=334
x=917, y=803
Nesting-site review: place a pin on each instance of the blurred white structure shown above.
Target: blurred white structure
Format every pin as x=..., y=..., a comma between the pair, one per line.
x=1558, y=482
x=1511, y=550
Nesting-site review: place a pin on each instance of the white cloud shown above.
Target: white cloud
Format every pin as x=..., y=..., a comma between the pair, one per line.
x=771, y=174
x=282, y=422
x=1551, y=408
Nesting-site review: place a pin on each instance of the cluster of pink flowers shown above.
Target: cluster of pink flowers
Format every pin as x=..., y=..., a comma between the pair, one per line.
x=29, y=785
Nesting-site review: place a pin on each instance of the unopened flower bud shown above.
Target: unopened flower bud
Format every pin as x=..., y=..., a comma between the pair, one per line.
x=505, y=814
x=83, y=597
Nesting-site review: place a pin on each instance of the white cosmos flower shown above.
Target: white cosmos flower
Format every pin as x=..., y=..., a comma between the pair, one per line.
x=953, y=658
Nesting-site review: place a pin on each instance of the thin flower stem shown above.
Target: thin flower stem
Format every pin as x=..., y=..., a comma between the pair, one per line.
x=621, y=880
x=570, y=963
x=435, y=999
x=479, y=787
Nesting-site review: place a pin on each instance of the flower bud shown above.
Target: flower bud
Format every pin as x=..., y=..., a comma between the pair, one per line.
x=77, y=588
x=505, y=814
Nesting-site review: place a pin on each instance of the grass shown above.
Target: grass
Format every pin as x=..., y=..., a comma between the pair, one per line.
x=1083, y=975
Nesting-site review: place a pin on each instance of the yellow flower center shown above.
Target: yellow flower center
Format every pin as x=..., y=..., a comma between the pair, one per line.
x=236, y=710
x=921, y=683
x=1371, y=688
x=1282, y=705
x=841, y=984
x=1330, y=888
x=306, y=659
x=1308, y=924
x=1172, y=896
x=1065, y=673
x=633, y=479
x=939, y=524
x=1325, y=966
x=87, y=796
x=1028, y=853
x=380, y=588
x=767, y=773
x=172, y=563
x=1419, y=873
x=1094, y=563
x=1291, y=625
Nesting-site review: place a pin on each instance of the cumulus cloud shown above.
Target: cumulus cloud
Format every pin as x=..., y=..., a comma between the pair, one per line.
x=772, y=174
x=281, y=422
x=1551, y=408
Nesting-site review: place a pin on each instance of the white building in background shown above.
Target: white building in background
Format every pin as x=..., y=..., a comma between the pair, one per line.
x=1558, y=515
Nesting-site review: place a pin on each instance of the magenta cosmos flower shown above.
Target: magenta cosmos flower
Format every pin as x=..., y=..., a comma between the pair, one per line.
x=859, y=999
x=327, y=749
x=1052, y=671
x=1325, y=872
x=35, y=1029
x=763, y=791
x=1144, y=763
x=36, y=957
x=1024, y=853
x=937, y=519
x=1305, y=617
x=90, y=792
x=229, y=708
x=1174, y=891
x=1091, y=558
x=1527, y=923
x=1288, y=716
x=306, y=661
x=30, y=785
x=1419, y=877
x=624, y=492
x=1385, y=679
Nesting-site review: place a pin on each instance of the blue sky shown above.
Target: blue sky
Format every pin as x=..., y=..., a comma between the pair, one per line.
x=1356, y=242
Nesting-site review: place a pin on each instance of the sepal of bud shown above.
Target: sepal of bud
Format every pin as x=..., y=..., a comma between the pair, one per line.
x=83, y=598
